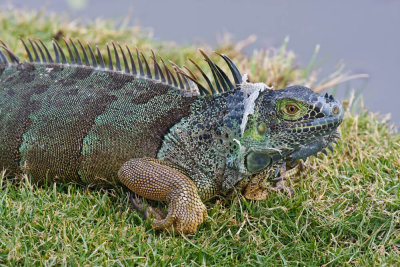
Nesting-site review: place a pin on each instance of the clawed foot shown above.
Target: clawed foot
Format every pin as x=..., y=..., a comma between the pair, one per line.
x=157, y=180
x=282, y=180
x=183, y=215
x=283, y=187
x=257, y=188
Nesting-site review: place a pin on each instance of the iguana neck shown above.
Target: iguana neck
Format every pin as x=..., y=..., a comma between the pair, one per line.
x=202, y=143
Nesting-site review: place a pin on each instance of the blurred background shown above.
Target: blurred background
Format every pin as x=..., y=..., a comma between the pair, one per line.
x=363, y=34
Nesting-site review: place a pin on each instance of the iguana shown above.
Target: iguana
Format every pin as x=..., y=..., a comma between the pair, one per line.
x=162, y=133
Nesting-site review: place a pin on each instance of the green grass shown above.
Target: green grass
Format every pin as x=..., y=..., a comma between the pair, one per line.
x=345, y=210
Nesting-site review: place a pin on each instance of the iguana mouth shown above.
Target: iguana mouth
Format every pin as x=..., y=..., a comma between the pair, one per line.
x=317, y=145
x=316, y=127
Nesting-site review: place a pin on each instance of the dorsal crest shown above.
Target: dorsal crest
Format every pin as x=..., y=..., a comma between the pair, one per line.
x=130, y=63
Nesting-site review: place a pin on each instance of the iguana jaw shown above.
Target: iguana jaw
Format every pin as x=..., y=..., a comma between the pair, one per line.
x=311, y=149
x=321, y=132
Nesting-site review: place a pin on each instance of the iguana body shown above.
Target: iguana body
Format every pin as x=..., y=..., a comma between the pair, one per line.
x=162, y=135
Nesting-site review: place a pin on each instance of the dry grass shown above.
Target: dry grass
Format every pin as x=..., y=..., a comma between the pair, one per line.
x=276, y=68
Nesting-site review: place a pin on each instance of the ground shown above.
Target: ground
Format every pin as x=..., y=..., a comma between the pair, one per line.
x=345, y=210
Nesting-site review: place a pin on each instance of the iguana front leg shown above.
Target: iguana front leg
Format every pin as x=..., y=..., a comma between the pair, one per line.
x=257, y=188
x=157, y=180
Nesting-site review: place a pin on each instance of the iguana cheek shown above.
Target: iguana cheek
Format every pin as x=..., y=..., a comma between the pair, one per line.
x=256, y=161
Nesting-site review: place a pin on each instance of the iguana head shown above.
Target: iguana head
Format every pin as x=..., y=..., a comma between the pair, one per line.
x=287, y=125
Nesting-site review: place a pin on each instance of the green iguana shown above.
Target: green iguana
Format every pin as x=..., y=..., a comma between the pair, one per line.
x=160, y=132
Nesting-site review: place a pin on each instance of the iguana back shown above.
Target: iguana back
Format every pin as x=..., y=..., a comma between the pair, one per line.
x=81, y=124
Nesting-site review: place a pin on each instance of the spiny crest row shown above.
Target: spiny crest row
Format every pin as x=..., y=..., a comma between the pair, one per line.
x=179, y=78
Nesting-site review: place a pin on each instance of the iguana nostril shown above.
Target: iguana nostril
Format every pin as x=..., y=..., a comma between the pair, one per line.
x=335, y=110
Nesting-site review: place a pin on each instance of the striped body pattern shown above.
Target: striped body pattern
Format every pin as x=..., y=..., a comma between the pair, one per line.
x=80, y=124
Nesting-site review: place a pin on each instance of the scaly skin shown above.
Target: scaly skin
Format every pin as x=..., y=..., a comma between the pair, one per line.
x=162, y=136
x=153, y=180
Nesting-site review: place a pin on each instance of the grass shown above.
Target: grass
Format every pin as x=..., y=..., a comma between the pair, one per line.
x=345, y=210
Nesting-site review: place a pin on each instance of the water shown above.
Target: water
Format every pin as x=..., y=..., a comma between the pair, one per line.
x=363, y=33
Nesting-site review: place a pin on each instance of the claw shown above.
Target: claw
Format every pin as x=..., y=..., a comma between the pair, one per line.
x=146, y=209
x=330, y=147
x=337, y=136
x=134, y=203
x=290, y=191
x=276, y=172
x=146, y=213
x=302, y=166
x=277, y=179
x=283, y=188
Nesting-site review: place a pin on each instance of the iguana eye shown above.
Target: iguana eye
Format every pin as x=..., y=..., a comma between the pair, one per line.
x=262, y=128
x=291, y=108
